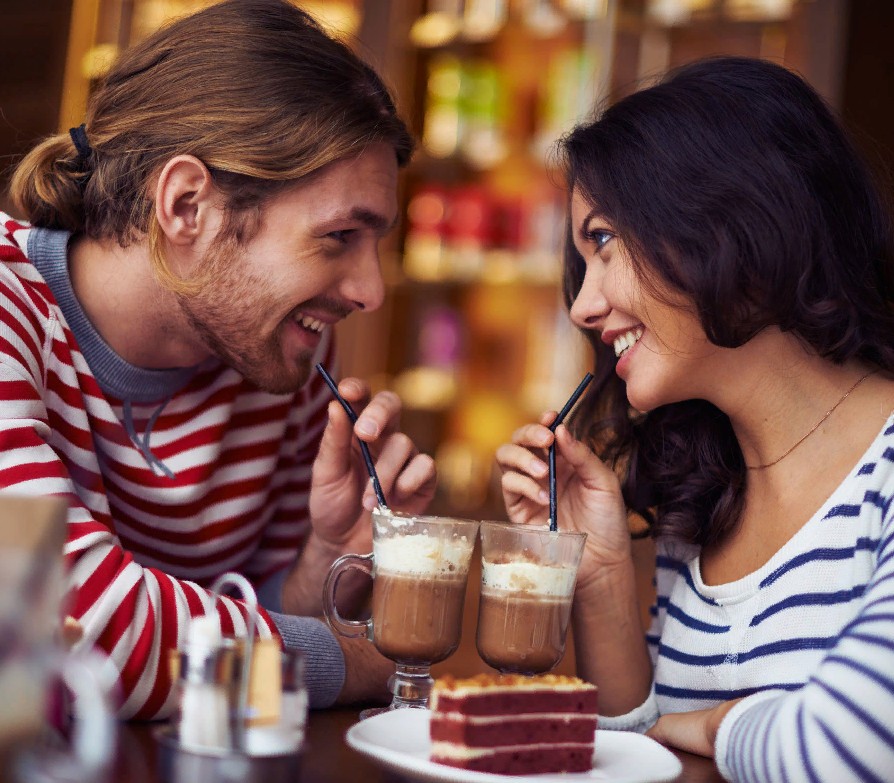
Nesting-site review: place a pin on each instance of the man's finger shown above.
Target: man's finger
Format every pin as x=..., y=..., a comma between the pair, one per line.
x=380, y=417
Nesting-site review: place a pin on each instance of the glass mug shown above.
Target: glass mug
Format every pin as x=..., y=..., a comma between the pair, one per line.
x=528, y=575
x=419, y=566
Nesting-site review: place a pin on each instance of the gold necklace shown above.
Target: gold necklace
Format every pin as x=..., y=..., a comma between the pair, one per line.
x=815, y=427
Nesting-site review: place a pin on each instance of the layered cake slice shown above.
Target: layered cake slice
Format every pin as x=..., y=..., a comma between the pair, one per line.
x=513, y=725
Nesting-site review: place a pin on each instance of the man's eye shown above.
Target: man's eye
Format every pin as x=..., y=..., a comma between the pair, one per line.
x=341, y=236
x=599, y=237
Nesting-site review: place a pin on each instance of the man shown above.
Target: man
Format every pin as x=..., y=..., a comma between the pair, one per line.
x=187, y=253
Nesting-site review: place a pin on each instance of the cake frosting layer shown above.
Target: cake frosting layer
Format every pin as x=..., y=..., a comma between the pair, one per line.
x=491, y=683
x=491, y=731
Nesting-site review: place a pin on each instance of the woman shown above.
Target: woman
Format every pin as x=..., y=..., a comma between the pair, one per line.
x=730, y=260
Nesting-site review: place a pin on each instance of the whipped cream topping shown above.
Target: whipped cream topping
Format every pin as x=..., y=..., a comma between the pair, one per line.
x=423, y=554
x=525, y=577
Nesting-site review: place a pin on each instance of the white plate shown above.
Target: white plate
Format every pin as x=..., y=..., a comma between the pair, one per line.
x=399, y=741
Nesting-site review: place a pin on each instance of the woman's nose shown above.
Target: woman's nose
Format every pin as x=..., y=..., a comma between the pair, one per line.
x=590, y=305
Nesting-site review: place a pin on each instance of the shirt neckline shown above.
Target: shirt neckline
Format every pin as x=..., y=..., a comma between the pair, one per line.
x=48, y=251
x=742, y=589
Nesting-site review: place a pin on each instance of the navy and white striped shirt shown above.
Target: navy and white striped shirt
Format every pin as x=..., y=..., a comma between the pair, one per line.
x=808, y=638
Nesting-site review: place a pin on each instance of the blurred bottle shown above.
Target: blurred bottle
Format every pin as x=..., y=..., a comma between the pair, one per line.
x=425, y=243
x=569, y=91
x=441, y=123
x=482, y=139
x=483, y=19
x=469, y=230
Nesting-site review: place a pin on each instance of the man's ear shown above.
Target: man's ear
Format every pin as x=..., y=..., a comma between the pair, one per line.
x=186, y=202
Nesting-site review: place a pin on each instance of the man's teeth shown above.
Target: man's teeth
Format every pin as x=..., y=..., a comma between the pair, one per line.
x=311, y=323
x=625, y=342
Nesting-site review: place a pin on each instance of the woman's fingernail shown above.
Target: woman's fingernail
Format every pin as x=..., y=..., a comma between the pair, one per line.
x=369, y=503
x=538, y=468
x=543, y=495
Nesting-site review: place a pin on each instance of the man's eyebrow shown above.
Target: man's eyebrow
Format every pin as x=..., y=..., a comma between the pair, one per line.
x=374, y=220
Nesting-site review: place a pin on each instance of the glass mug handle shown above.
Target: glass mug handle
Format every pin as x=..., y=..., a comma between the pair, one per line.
x=353, y=629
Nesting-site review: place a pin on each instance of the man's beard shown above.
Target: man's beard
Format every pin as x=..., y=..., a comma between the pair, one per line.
x=226, y=315
x=260, y=362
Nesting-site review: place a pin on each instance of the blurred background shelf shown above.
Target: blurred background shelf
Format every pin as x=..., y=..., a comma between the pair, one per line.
x=474, y=334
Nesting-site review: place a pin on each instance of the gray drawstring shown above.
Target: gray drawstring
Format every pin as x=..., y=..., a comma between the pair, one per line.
x=143, y=443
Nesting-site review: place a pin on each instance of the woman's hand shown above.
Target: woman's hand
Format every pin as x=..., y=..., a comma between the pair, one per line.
x=588, y=492
x=694, y=732
x=341, y=490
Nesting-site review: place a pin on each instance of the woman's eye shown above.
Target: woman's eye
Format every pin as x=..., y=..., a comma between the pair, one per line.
x=598, y=237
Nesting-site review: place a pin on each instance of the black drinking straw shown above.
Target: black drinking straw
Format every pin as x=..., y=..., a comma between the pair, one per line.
x=367, y=457
x=553, y=520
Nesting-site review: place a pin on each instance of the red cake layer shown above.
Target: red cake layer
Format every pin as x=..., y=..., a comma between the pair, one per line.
x=527, y=761
x=514, y=725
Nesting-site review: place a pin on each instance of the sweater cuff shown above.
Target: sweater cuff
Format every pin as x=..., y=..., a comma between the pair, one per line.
x=324, y=662
x=724, y=742
x=639, y=719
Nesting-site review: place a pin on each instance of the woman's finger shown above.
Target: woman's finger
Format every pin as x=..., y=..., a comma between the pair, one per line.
x=592, y=470
x=511, y=457
x=535, y=436
x=517, y=485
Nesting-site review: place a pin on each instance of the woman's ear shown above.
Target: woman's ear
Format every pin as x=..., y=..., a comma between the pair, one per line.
x=187, y=203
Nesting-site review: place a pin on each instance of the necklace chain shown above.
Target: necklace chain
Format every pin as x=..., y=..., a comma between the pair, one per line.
x=815, y=427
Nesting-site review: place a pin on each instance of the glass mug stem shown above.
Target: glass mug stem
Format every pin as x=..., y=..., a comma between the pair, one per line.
x=353, y=629
x=410, y=686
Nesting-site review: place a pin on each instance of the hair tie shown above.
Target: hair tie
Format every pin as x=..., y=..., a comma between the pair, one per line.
x=82, y=145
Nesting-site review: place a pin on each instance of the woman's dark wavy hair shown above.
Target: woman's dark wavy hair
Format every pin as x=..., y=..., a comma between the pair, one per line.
x=732, y=182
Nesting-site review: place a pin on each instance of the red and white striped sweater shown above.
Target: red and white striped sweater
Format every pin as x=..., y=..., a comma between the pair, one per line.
x=142, y=547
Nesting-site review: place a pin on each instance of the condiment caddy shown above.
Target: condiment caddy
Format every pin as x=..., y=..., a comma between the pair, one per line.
x=242, y=703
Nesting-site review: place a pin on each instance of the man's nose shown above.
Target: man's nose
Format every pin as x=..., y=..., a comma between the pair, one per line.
x=364, y=285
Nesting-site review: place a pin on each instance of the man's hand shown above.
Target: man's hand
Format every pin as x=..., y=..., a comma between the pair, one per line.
x=342, y=496
x=341, y=491
x=695, y=732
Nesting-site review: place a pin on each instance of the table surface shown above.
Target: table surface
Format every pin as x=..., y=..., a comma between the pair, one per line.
x=327, y=759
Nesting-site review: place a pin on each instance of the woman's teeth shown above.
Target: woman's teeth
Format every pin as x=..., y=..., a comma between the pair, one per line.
x=625, y=342
x=311, y=323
